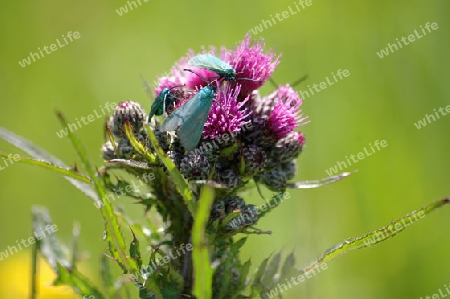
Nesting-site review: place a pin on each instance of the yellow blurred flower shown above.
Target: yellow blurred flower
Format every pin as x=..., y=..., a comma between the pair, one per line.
x=15, y=279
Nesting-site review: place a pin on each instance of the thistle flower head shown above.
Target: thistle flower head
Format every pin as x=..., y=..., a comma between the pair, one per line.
x=245, y=134
x=227, y=114
x=250, y=62
x=285, y=115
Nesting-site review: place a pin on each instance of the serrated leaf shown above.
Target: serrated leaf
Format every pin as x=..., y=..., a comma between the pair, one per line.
x=373, y=237
x=106, y=275
x=271, y=271
x=75, y=237
x=180, y=182
x=245, y=269
x=48, y=243
x=227, y=267
x=68, y=172
x=234, y=250
x=77, y=281
x=51, y=249
x=151, y=290
x=40, y=154
x=135, y=252
x=260, y=272
x=130, y=163
x=114, y=237
x=137, y=146
x=288, y=266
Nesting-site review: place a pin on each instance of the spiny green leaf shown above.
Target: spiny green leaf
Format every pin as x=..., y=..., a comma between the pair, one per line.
x=68, y=172
x=271, y=271
x=75, y=237
x=135, y=252
x=117, y=245
x=130, y=163
x=48, y=243
x=106, y=275
x=77, y=281
x=180, y=182
x=40, y=154
x=245, y=269
x=227, y=267
x=260, y=272
x=54, y=255
x=374, y=237
x=151, y=291
x=237, y=246
x=137, y=146
x=288, y=266
x=110, y=136
x=200, y=255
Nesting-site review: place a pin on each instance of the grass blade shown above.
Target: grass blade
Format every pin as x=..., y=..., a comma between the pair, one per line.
x=34, y=269
x=200, y=253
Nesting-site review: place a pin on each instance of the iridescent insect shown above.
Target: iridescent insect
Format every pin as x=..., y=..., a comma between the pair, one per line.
x=163, y=101
x=216, y=65
x=190, y=118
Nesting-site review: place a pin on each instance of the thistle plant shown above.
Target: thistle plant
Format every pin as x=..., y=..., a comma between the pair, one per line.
x=195, y=215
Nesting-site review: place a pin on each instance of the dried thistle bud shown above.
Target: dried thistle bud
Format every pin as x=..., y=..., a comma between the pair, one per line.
x=128, y=111
x=254, y=159
x=250, y=215
x=195, y=166
x=290, y=169
x=228, y=177
x=126, y=150
x=274, y=179
x=176, y=157
x=286, y=149
x=217, y=210
x=233, y=203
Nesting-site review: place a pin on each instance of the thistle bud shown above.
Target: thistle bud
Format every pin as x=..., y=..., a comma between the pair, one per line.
x=195, y=166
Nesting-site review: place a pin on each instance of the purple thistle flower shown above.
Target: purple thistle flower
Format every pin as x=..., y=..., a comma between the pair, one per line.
x=249, y=61
x=188, y=79
x=227, y=115
x=285, y=115
x=169, y=82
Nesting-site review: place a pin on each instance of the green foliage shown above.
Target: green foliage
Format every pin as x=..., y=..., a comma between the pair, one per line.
x=215, y=257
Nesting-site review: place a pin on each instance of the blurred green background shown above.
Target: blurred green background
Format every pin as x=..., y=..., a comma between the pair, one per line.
x=380, y=100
